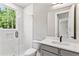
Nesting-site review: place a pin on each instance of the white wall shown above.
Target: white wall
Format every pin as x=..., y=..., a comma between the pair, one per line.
x=51, y=23
x=9, y=45
x=40, y=21
x=28, y=27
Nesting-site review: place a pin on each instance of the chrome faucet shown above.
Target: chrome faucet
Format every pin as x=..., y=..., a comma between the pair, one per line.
x=61, y=38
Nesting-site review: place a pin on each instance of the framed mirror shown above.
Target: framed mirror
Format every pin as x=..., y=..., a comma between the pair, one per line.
x=65, y=23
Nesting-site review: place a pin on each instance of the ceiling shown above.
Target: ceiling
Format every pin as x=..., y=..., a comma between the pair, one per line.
x=22, y=4
x=26, y=4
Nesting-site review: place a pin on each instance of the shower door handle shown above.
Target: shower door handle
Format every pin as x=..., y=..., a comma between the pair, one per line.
x=16, y=34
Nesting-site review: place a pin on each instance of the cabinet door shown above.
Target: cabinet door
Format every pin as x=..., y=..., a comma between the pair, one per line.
x=68, y=53
x=49, y=48
x=71, y=21
x=45, y=53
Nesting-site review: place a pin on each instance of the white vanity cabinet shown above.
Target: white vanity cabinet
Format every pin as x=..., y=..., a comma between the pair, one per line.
x=47, y=50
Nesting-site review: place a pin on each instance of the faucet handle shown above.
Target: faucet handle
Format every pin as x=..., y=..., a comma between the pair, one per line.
x=61, y=38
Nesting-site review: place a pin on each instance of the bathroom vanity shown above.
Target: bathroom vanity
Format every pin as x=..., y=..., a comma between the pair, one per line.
x=54, y=51
x=52, y=47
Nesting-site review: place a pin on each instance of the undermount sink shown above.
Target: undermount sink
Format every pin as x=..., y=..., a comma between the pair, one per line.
x=60, y=43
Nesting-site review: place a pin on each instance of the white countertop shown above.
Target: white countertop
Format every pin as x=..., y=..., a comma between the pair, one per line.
x=63, y=45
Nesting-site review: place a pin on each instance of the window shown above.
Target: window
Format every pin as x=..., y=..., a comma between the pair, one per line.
x=7, y=17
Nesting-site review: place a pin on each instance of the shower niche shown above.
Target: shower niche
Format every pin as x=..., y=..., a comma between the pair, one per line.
x=65, y=23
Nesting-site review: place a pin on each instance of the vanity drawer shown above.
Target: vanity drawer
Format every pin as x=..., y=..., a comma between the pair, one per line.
x=68, y=53
x=49, y=48
x=45, y=53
